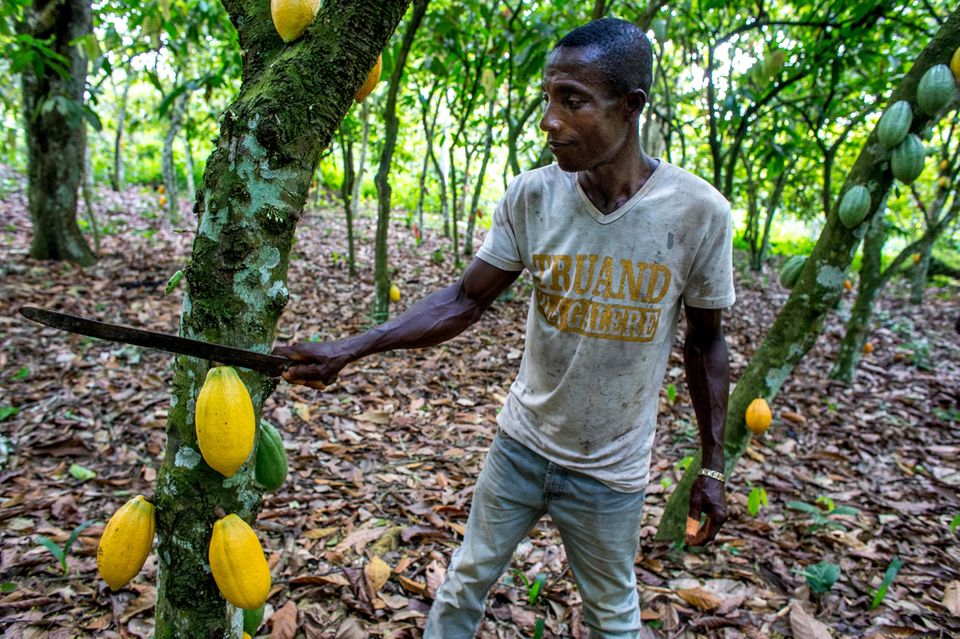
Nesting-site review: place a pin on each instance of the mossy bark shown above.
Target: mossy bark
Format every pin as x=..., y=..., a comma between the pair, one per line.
x=55, y=129
x=801, y=320
x=255, y=183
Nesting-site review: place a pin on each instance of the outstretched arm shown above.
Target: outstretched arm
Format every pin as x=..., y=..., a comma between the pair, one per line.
x=707, y=368
x=434, y=319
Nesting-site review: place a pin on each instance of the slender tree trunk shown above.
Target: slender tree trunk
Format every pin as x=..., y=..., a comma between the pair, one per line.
x=362, y=163
x=421, y=195
x=475, y=203
x=255, y=185
x=346, y=194
x=188, y=166
x=88, y=197
x=381, y=310
x=918, y=275
x=117, y=177
x=56, y=137
x=442, y=180
x=801, y=319
x=168, y=168
x=871, y=283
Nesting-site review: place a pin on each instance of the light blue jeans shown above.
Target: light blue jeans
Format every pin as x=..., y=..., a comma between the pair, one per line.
x=599, y=526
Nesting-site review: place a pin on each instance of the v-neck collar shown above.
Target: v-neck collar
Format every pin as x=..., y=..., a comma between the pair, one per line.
x=615, y=215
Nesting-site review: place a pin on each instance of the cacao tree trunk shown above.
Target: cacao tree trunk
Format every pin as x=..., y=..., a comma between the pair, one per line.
x=475, y=202
x=361, y=164
x=871, y=283
x=117, y=176
x=800, y=321
x=381, y=310
x=168, y=168
x=87, y=191
x=188, y=166
x=346, y=194
x=918, y=275
x=53, y=111
x=255, y=184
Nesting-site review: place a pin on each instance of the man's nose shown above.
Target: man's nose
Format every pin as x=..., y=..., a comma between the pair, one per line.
x=549, y=121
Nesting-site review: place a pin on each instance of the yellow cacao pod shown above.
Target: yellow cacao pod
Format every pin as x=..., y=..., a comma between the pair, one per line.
x=955, y=64
x=292, y=17
x=371, y=82
x=225, y=421
x=394, y=293
x=125, y=543
x=237, y=563
x=758, y=416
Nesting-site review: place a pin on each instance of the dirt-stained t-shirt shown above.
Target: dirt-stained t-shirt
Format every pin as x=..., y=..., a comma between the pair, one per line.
x=603, y=314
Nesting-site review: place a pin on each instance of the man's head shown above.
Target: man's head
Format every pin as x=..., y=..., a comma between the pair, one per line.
x=623, y=53
x=595, y=86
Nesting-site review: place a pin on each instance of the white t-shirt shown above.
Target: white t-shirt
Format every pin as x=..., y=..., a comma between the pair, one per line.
x=603, y=314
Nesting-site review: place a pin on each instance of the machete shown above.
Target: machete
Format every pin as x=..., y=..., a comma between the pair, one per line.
x=271, y=365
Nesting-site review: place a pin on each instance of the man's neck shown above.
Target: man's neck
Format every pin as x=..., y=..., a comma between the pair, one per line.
x=611, y=186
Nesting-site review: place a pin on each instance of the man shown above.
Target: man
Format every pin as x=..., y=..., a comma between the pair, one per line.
x=614, y=240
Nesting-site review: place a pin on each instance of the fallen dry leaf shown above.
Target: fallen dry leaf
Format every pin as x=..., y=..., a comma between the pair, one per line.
x=283, y=623
x=702, y=599
x=377, y=573
x=804, y=626
x=951, y=598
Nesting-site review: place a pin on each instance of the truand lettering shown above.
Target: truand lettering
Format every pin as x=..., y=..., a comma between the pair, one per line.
x=602, y=277
x=597, y=319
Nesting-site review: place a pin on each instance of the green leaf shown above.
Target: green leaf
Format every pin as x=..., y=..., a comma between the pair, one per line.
x=756, y=500
x=21, y=374
x=79, y=472
x=804, y=507
x=671, y=393
x=538, y=629
x=955, y=523
x=53, y=548
x=845, y=510
x=75, y=534
x=534, y=590
x=8, y=586
x=822, y=576
x=888, y=576
x=7, y=411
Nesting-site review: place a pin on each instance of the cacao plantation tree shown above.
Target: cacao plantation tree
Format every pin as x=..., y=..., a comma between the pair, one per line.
x=289, y=106
x=381, y=311
x=801, y=320
x=53, y=76
x=942, y=210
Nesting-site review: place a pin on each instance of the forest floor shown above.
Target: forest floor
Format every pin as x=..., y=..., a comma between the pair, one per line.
x=383, y=463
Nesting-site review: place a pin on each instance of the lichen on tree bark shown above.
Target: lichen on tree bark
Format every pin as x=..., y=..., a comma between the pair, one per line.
x=255, y=184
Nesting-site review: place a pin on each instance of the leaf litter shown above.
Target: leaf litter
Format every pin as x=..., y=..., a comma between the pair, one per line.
x=382, y=464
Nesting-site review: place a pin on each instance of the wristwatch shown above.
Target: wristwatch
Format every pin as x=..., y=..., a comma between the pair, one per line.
x=714, y=474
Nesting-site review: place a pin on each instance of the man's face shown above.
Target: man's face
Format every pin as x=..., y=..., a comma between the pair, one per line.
x=586, y=125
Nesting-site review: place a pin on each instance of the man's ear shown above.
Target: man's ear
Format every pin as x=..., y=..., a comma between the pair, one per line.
x=636, y=100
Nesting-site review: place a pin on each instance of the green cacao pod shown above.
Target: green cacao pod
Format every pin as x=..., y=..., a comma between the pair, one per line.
x=252, y=620
x=937, y=87
x=271, y=467
x=895, y=124
x=907, y=159
x=854, y=206
x=790, y=271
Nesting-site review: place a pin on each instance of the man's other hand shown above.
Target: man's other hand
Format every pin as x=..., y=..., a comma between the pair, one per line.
x=707, y=497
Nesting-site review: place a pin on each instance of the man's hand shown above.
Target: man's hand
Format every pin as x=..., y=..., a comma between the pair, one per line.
x=707, y=497
x=318, y=363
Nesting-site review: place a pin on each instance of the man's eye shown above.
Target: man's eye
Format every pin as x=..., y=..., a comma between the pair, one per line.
x=573, y=103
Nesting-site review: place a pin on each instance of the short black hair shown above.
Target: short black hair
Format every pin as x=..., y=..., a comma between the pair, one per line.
x=626, y=57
